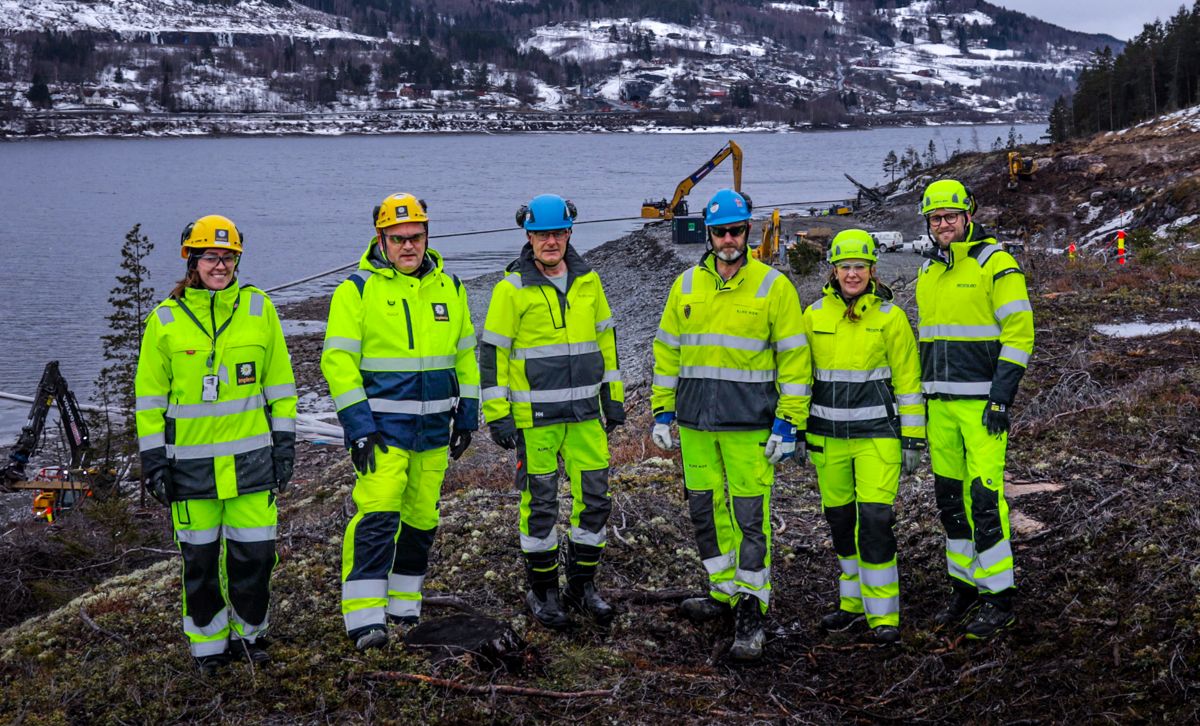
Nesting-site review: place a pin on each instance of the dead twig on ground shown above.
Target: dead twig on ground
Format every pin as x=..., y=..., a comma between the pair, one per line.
x=83, y=615
x=489, y=691
x=449, y=601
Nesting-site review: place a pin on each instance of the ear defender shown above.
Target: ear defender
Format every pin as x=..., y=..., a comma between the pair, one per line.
x=523, y=213
x=749, y=202
x=571, y=210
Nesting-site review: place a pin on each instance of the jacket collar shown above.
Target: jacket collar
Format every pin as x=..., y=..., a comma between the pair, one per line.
x=199, y=296
x=876, y=293
x=531, y=275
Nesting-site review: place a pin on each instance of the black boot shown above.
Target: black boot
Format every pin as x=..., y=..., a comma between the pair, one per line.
x=255, y=652
x=546, y=610
x=704, y=609
x=581, y=594
x=990, y=620
x=748, y=630
x=839, y=620
x=542, y=570
x=962, y=602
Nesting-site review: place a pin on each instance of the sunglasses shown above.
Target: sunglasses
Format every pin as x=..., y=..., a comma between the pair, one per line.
x=736, y=231
x=215, y=259
x=936, y=220
x=400, y=239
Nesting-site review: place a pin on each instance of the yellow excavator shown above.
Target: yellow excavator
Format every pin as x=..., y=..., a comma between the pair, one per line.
x=1019, y=167
x=768, y=249
x=677, y=206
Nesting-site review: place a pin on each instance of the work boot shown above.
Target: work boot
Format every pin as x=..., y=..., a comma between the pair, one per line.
x=748, y=635
x=546, y=609
x=840, y=620
x=210, y=665
x=254, y=653
x=990, y=620
x=961, y=603
x=373, y=637
x=404, y=622
x=886, y=634
x=703, y=609
x=588, y=602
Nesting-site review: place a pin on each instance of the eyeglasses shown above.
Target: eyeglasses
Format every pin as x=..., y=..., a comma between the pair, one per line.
x=736, y=231
x=416, y=240
x=852, y=266
x=545, y=234
x=936, y=220
x=215, y=260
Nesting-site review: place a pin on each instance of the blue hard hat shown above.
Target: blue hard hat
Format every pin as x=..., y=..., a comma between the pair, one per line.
x=547, y=211
x=727, y=207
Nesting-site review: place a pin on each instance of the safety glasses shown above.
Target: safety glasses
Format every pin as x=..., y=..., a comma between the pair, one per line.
x=545, y=234
x=735, y=231
x=214, y=259
x=858, y=267
x=416, y=240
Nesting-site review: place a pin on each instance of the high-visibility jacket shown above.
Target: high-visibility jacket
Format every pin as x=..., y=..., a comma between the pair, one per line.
x=399, y=354
x=223, y=448
x=975, y=323
x=549, y=357
x=731, y=356
x=866, y=375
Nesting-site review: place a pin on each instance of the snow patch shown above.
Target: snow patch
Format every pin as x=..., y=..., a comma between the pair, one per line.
x=1138, y=330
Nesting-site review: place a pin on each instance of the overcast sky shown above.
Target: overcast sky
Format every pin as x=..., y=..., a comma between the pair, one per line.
x=1120, y=18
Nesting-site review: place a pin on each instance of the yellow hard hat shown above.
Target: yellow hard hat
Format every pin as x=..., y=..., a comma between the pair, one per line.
x=210, y=231
x=400, y=208
x=853, y=244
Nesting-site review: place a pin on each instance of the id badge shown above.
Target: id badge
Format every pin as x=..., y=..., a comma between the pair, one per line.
x=208, y=389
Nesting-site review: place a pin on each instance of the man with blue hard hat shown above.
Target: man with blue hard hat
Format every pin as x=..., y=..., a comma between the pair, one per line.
x=731, y=365
x=548, y=361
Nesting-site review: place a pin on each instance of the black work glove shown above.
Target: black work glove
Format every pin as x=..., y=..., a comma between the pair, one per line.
x=459, y=441
x=610, y=425
x=362, y=452
x=504, y=432
x=995, y=418
x=158, y=483
x=283, y=472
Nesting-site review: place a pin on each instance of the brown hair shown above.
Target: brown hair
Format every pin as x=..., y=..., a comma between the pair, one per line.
x=191, y=279
x=850, y=313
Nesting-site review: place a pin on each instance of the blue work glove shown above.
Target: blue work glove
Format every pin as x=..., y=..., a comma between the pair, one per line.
x=782, y=441
x=995, y=418
x=661, y=434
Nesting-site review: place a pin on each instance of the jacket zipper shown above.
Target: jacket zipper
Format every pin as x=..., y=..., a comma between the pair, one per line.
x=408, y=321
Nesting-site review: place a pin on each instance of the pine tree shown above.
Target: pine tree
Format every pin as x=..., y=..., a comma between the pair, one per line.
x=890, y=164
x=39, y=93
x=1060, y=121
x=131, y=299
x=931, y=156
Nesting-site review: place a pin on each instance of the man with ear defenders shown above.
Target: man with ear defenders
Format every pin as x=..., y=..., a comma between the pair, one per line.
x=975, y=339
x=548, y=358
x=400, y=361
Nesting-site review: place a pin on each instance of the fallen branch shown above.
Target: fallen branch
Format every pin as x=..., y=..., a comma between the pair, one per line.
x=92, y=624
x=1032, y=538
x=485, y=690
x=651, y=596
x=449, y=601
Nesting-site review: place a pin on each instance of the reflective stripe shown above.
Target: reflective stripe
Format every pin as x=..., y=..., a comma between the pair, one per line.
x=500, y=341
x=227, y=448
x=494, y=392
x=1000, y=552
x=850, y=589
x=795, y=389
x=799, y=340
x=404, y=607
x=152, y=441
x=282, y=390
x=283, y=424
x=468, y=390
x=149, y=403
x=916, y=419
x=960, y=571
x=354, y=395
x=584, y=537
x=513, y=279
x=219, y=622
x=198, y=536
x=466, y=342
x=1016, y=306
x=879, y=578
x=975, y=388
x=910, y=399
x=961, y=547
x=686, y=287
x=886, y=308
x=201, y=648
x=417, y=408
x=356, y=619
x=997, y=582
x=605, y=324
x=556, y=395
x=539, y=544
x=959, y=331
x=665, y=381
x=881, y=605
x=1016, y=355
x=220, y=408
x=849, y=566
x=728, y=587
x=555, y=350
x=720, y=563
x=834, y=375
x=865, y=413
x=416, y=363
x=611, y=376
x=666, y=338
x=818, y=305
x=986, y=253
x=350, y=345
x=756, y=579
x=249, y=630
x=360, y=589
x=165, y=316
x=249, y=534
x=736, y=375
x=405, y=583
x=769, y=280
x=736, y=342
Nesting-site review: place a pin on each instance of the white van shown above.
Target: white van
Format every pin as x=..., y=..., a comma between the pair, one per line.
x=921, y=244
x=888, y=241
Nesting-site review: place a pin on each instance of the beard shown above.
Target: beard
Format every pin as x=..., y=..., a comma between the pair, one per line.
x=730, y=255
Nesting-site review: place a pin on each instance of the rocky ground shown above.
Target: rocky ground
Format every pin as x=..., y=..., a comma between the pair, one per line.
x=1103, y=478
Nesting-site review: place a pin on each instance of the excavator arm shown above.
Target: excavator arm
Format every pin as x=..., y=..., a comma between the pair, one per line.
x=677, y=206
x=51, y=390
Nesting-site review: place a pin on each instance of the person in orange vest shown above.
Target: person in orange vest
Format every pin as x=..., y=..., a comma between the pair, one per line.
x=1071, y=251
x=1121, y=247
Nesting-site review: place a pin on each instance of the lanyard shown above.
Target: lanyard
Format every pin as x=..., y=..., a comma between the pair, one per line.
x=213, y=337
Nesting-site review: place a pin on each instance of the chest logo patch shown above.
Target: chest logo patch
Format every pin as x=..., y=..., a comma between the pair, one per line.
x=247, y=373
x=440, y=312
x=687, y=311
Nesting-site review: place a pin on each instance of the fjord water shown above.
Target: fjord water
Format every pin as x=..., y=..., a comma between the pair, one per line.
x=304, y=205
